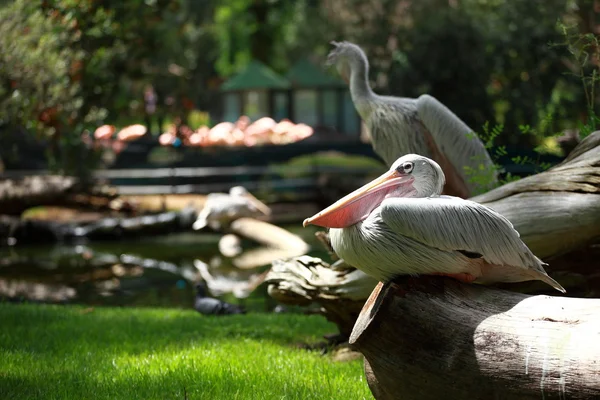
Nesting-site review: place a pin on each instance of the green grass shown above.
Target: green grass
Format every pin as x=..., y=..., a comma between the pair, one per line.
x=66, y=352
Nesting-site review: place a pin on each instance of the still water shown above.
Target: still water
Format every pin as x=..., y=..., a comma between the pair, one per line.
x=152, y=272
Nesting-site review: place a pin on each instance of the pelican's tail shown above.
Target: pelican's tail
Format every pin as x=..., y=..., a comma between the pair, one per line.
x=503, y=273
x=542, y=276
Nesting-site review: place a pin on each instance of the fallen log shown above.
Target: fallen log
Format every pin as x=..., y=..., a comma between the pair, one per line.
x=340, y=292
x=435, y=338
x=275, y=243
x=15, y=231
x=17, y=195
x=556, y=211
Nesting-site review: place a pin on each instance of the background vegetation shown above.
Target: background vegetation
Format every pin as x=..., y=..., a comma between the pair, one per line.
x=69, y=65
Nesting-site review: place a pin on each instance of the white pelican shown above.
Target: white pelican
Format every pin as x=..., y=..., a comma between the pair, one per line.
x=399, y=224
x=221, y=208
x=401, y=125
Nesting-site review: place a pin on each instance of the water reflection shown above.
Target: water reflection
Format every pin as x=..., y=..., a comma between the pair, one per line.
x=159, y=271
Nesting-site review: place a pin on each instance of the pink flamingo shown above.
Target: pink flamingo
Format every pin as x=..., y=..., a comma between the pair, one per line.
x=238, y=132
x=131, y=132
x=300, y=132
x=199, y=137
x=168, y=137
x=104, y=132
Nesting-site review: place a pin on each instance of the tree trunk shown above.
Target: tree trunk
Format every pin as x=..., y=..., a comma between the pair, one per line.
x=435, y=338
x=24, y=231
x=17, y=195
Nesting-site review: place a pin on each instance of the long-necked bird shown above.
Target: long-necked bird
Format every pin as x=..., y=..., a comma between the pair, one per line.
x=401, y=125
x=399, y=224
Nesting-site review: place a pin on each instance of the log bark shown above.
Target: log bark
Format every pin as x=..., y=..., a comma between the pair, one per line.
x=435, y=338
x=275, y=243
x=556, y=211
x=339, y=292
x=14, y=230
x=17, y=195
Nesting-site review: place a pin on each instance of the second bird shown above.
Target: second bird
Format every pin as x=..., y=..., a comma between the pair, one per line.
x=401, y=125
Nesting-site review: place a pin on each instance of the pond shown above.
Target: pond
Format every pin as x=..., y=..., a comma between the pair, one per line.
x=157, y=271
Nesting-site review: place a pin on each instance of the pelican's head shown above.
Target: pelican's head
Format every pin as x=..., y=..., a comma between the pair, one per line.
x=411, y=175
x=240, y=191
x=346, y=56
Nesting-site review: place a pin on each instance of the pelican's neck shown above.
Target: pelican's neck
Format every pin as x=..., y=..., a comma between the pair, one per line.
x=359, y=79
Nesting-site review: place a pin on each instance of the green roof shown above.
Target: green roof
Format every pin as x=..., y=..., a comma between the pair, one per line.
x=255, y=76
x=306, y=74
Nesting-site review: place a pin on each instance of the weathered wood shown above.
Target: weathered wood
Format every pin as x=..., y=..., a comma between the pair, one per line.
x=340, y=292
x=23, y=231
x=239, y=245
x=435, y=338
x=556, y=211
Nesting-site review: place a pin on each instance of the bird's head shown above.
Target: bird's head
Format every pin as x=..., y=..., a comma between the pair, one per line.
x=201, y=290
x=345, y=56
x=411, y=175
x=257, y=205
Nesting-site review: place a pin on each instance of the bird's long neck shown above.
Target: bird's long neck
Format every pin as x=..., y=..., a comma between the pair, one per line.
x=359, y=80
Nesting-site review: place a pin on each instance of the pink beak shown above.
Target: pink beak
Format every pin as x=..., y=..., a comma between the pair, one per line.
x=357, y=206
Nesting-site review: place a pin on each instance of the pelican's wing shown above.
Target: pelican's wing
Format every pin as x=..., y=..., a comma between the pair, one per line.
x=449, y=223
x=392, y=126
x=454, y=138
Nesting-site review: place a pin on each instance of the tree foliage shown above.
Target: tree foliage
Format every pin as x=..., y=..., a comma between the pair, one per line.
x=69, y=65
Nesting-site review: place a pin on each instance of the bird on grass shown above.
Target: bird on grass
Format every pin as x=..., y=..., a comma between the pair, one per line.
x=401, y=125
x=211, y=306
x=399, y=224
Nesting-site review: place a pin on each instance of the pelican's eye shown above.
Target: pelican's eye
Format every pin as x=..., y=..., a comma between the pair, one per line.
x=407, y=167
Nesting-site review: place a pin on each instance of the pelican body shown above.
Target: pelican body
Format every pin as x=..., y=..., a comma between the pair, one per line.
x=399, y=224
x=401, y=125
x=221, y=208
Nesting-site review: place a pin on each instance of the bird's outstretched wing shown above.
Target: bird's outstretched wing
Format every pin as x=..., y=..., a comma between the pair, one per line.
x=454, y=138
x=452, y=224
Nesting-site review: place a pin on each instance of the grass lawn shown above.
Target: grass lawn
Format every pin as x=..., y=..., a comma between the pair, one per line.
x=71, y=352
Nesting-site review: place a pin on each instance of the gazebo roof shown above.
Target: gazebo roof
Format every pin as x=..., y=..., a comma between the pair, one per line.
x=255, y=76
x=306, y=74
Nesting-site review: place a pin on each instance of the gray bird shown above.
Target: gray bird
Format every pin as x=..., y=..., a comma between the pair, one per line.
x=220, y=209
x=401, y=125
x=211, y=306
x=399, y=224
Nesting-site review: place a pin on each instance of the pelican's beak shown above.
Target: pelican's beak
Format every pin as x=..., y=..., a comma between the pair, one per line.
x=358, y=205
x=260, y=206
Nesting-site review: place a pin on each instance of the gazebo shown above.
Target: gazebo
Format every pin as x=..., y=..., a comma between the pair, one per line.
x=307, y=94
x=257, y=92
x=320, y=100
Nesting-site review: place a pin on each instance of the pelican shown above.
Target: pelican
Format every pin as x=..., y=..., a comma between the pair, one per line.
x=399, y=224
x=401, y=125
x=221, y=208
